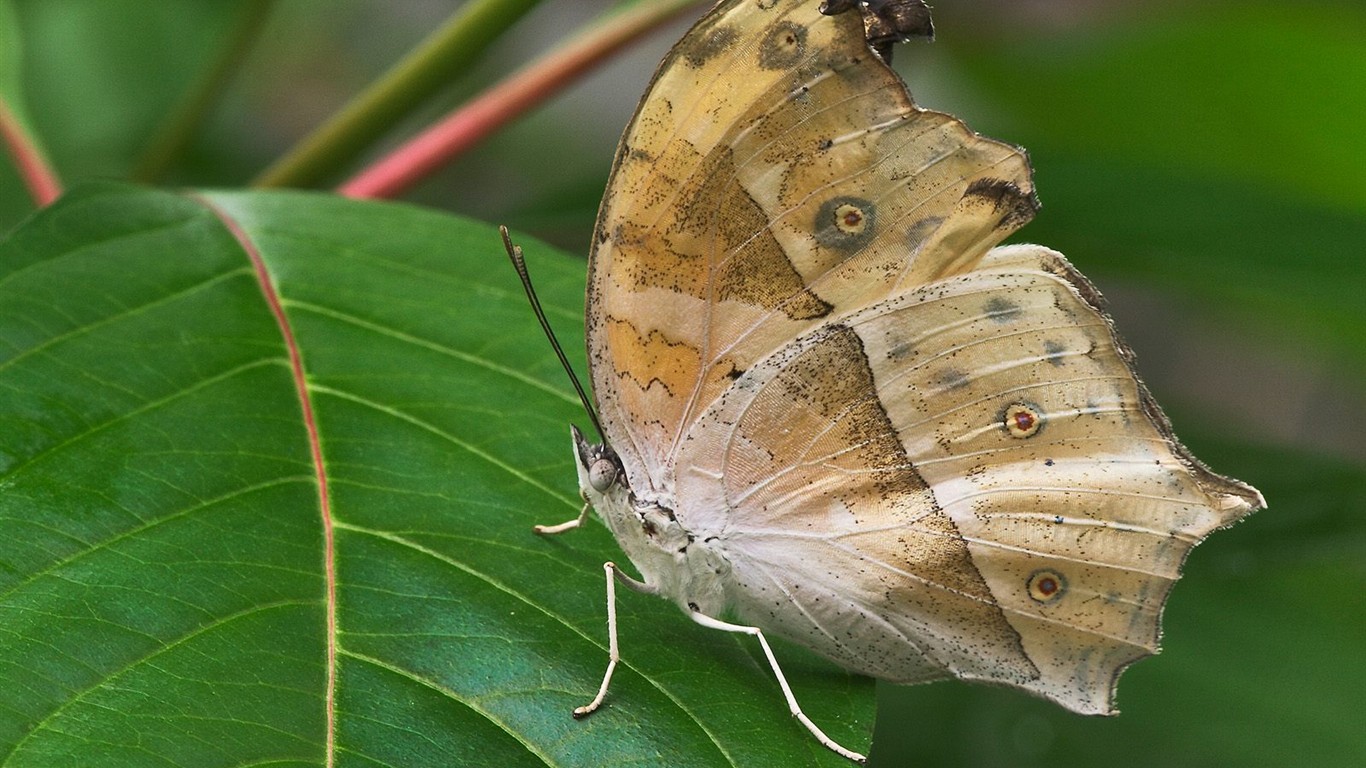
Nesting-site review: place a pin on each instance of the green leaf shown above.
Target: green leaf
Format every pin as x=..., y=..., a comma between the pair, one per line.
x=168, y=563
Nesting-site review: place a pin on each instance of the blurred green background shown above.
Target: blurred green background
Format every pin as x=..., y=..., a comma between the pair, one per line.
x=1204, y=162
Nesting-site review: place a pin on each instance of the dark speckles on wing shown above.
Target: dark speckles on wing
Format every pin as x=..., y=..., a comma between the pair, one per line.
x=715, y=41
x=1002, y=310
x=900, y=351
x=953, y=379
x=1013, y=204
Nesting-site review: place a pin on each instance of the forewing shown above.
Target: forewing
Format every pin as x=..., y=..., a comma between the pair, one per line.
x=776, y=176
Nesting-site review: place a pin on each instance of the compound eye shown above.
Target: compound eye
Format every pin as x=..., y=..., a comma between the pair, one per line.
x=601, y=475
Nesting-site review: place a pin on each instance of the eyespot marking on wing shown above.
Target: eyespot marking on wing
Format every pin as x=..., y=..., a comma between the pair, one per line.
x=846, y=223
x=783, y=47
x=1022, y=420
x=1046, y=586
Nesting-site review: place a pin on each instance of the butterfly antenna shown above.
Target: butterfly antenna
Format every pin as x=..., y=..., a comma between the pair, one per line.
x=519, y=264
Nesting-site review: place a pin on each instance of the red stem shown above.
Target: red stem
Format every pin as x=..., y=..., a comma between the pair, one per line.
x=41, y=180
x=461, y=129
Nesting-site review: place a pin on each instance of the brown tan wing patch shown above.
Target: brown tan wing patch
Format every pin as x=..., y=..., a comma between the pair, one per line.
x=833, y=538
x=776, y=175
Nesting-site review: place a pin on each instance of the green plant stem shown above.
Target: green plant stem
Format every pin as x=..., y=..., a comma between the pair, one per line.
x=444, y=54
x=168, y=143
x=507, y=100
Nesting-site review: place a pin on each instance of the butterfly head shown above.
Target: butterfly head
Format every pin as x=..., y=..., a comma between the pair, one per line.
x=599, y=467
x=679, y=563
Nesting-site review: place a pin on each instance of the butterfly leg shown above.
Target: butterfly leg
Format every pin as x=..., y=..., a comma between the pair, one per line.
x=613, y=576
x=792, y=706
x=550, y=530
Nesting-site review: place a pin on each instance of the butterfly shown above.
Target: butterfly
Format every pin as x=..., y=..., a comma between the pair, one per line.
x=834, y=410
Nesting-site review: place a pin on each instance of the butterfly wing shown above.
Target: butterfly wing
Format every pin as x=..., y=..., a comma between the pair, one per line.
x=966, y=478
x=916, y=454
x=776, y=175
